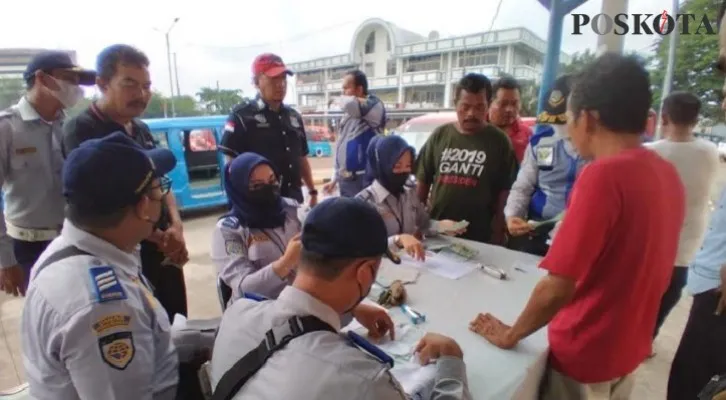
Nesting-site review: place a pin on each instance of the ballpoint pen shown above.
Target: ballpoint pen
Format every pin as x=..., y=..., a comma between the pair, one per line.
x=415, y=316
x=492, y=271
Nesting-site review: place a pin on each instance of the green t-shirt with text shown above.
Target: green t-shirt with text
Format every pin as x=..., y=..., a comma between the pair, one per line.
x=467, y=173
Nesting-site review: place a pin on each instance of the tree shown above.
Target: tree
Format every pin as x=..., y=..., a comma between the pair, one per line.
x=694, y=69
x=11, y=90
x=579, y=60
x=185, y=106
x=219, y=101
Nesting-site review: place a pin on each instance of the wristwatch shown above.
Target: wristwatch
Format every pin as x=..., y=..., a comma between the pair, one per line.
x=313, y=192
x=397, y=241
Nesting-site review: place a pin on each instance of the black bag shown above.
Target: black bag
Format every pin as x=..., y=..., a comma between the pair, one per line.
x=716, y=386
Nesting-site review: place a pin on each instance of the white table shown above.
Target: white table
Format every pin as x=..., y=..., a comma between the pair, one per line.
x=449, y=306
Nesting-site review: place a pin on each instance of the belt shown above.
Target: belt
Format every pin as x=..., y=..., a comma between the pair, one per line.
x=31, y=235
x=347, y=174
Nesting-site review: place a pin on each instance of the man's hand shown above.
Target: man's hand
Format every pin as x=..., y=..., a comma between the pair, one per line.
x=433, y=346
x=376, y=320
x=447, y=226
x=11, y=280
x=495, y=331
x=329, y=187
x=722, y=301
x=413, y=246
x=313, y=200
x=517, y=226
x=288, y=261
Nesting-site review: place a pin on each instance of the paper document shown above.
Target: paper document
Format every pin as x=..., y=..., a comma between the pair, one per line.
x=441, y=265
x=555, y=219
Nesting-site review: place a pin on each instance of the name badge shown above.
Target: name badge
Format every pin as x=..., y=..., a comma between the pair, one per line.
x=545, y=156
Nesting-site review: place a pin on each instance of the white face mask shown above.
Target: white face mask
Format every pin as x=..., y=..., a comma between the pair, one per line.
x=68, y=94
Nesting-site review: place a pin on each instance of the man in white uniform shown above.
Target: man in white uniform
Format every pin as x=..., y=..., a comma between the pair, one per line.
x=314, y=361
x=696, y=161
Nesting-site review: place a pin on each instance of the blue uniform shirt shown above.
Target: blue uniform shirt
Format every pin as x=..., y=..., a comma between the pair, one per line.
x=704, y=273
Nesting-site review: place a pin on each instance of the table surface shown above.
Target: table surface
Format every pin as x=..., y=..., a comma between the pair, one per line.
x=449, y=306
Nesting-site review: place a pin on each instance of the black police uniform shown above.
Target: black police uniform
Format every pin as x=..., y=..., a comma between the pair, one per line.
x=277, y=136
x=167, y=280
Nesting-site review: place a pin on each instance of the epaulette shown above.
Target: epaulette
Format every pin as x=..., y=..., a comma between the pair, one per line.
x=106, y=285
x=254, y=296
x=230, y=222
x=361, y=343
x=543, y=131
x=241, y=106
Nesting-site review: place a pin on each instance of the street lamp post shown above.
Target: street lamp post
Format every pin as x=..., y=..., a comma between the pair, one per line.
x=168, y=59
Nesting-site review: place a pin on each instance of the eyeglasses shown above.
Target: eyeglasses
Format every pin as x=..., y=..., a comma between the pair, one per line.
x=164, y=185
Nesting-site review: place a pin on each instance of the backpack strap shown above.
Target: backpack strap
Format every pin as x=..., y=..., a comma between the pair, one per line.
x=275, y=339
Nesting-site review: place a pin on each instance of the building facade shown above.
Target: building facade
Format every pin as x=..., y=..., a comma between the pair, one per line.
x=14, y=61
x=408, y=70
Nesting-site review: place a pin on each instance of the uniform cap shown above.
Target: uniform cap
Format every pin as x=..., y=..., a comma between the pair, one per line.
x=555, y=109
x=343, y=227
x=49, y=60
x=107, y=174
x=270, y=65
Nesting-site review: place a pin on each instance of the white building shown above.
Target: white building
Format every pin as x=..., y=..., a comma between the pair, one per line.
x=14, y=61
x=407, y=70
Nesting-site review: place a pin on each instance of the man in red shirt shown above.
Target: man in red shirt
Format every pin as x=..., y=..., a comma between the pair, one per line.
x=504, y=114
x=612, y=258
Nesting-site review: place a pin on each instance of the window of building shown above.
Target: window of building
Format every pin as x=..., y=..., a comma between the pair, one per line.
x=370, y=46
x=422, y=63
x=368, y=69
x=472, y=58
x=338, y=73
x=310, y=77
x=391, y=67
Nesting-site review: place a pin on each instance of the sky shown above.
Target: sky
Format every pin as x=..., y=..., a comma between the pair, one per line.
x=216, y=40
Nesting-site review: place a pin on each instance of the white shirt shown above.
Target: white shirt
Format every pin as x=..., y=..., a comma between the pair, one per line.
x=697, y=163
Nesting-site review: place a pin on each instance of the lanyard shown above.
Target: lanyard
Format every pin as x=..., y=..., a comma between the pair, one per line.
x=276, y=239
x=392, y=209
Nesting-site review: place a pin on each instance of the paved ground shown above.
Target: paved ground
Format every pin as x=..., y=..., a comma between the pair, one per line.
x=200, y=277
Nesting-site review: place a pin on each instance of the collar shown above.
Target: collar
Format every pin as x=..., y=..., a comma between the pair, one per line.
x=262, y=105
x=380, y=194
x=28, y=113
x=302, y=303
x=100, y=248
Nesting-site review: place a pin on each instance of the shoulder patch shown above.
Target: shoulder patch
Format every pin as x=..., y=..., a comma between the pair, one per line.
x=106, y=284
x=111, y=321
x=233, y=247
x=230, y=222
x=117, y=349
x=254, y=296
x=368, y=347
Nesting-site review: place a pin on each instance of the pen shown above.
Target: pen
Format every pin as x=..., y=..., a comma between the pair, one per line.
x=415, y=316
x=367, y=346
x=492, y=271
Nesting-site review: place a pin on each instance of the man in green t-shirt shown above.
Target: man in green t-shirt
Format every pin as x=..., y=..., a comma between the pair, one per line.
x=471, y=165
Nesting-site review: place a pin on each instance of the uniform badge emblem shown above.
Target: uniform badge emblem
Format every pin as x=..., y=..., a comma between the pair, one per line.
x=260, y=118
x=556, y=98
x=117, y=349
x=294, y=122
x=233, y=247
x=545, y=156
x=111, y=321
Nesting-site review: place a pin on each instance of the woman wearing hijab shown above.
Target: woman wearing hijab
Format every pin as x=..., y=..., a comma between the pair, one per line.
x=256, y=246
x=390, y=162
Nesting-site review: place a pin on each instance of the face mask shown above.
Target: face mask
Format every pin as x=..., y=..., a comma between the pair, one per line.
x=362, y=295
x=266, y=194
x=68, y=94
x=398, y=180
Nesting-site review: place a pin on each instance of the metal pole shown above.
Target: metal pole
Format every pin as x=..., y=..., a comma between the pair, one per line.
x=176, y=77
x=668, y=80
x=552, y=57
x=611, y=42
x=171, y=78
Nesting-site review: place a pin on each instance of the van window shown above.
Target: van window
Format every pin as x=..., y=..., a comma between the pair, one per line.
x=161, y=140
x=196, y=140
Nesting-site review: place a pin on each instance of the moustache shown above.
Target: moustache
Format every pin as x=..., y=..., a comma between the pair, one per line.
x=139, y=104
x=471, y=120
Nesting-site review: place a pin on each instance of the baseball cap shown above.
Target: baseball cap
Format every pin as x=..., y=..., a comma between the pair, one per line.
x=555, y=109
x=104, y=175
x=50, y=60
x=270, y=65
x=343, y=227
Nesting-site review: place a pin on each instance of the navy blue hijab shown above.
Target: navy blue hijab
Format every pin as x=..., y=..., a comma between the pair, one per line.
x=383, y=154
x=237, y=185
